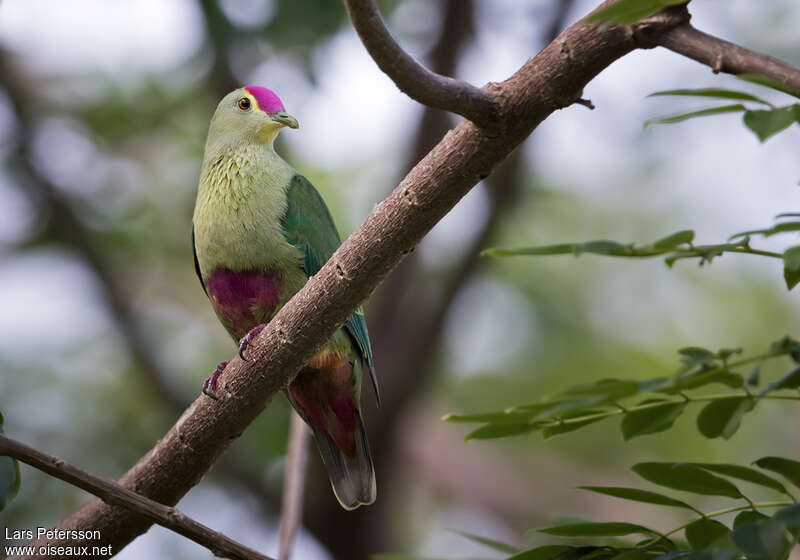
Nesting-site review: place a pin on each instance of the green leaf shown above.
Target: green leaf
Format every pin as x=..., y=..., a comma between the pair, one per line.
x=631, y=11
x=783, y=227
x=697, y=355
x=765, y=539
x=789, y=515
x=636, y=495
x=768, y=123
x=738, y=108
x=651, y=420
x=9, y=477
x=549, y=552
x=788, y=468
x=704, y=532
x=748, y=516
x=704, y=377
x=723, y=417
x=686, y=477
x=565, y=428
x=743, y=473
x=608, y=529
x=490, y=543
x=791, y=266
x=682, y=237
x=717, y=93
x=768, y=82
x=493, y=431
x=755, y=377
x=9, y=480
x=789, y=381
x=786, y=345
x=607, y=390
x=501, y=417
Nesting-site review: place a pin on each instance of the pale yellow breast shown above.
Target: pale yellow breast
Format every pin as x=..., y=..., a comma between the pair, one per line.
x=241, y=199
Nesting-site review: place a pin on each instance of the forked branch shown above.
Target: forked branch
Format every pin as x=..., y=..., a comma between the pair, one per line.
x=413, y=79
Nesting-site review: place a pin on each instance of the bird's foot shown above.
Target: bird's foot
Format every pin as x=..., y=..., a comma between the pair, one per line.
x=247, y=339
x=210, y=384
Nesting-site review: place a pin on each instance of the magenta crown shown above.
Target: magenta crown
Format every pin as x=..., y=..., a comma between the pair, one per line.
x=267, y=100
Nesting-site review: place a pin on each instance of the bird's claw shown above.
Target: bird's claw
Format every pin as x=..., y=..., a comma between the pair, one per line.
x=247, y=340
x=210, y=384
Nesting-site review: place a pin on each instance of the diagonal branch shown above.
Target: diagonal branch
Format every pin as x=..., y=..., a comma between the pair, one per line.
x=551, y=80
x=113, y=493
x=411, y=77
x=723, y=56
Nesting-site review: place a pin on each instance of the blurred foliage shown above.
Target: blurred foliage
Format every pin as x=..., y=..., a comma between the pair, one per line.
x=764, y=123
x=677, y=246
x=9, y=477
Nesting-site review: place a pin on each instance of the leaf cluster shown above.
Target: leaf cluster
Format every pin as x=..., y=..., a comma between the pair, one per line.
x=653, y=405
x=678, y=246
x=760, y=116
x=752, y=534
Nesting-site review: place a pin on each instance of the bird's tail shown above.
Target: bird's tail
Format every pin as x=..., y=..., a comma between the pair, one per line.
x=352, y=475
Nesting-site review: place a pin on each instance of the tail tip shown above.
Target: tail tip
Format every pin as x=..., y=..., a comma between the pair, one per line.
x=350, y=497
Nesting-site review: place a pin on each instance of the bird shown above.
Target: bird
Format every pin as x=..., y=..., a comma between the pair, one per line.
x=260, y=230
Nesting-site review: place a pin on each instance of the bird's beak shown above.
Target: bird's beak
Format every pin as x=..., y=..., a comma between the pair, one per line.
x=285, y=119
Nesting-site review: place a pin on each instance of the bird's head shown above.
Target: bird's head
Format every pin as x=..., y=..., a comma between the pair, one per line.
x=252, y=114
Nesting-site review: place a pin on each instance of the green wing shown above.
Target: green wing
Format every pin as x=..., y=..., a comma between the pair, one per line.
x=197, y=264
x=308, y=226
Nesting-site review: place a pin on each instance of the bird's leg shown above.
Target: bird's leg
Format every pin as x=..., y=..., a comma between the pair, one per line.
x=210, y=384
x=247, y=339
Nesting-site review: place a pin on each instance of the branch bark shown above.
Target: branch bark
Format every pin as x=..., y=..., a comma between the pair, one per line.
x=724, y=56
x=294, y=478
x=113, y=493
x=549, y=81
x=411, y=77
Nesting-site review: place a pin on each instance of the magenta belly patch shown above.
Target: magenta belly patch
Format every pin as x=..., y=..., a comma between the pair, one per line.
x=244, y=299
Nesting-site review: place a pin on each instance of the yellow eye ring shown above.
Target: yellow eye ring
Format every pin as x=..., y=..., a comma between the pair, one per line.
x=243, y=104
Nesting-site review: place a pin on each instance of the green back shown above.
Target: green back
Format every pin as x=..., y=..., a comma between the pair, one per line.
x=308, y=226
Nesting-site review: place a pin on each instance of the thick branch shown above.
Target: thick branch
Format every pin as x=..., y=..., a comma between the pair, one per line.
x=723, y=56
x=113, y=493
x=414, y=79
x=551, y=80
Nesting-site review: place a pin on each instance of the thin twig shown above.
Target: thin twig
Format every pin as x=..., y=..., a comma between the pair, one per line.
x=724, y=56
x=292, y=504
x=413, y=78
x=112, y=493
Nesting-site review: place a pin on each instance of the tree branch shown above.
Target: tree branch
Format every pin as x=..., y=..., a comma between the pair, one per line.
x=292, y=503
x=723, y=56
x=412, y=78
x=549, y=81
x=113, y=493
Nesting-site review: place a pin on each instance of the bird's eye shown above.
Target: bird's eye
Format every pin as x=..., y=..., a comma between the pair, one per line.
x=243, y=104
